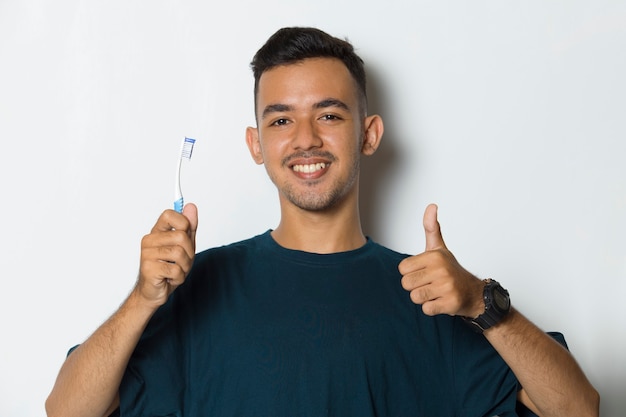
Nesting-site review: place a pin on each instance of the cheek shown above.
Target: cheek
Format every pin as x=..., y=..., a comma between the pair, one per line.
x=272, y=152
x=345, y=138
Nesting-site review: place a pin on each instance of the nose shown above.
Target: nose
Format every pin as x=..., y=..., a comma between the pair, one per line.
x=306, y=136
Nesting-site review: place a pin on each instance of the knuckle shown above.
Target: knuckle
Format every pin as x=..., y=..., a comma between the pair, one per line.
x=146, y=241
x=430, y=309
x=405, y=266
x=406, y=282
x=172, y=272
x=170, y=253
x=415, y=297
x=167, y=269
x=419, y=295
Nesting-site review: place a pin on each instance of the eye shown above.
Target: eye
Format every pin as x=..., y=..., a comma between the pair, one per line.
x=330, y=117
x=280, y=122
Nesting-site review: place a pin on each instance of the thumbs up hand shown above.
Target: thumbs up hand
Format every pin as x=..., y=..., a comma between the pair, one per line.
x=436, y=280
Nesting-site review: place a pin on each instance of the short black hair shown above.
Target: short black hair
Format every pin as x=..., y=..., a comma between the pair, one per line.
x=292, y=44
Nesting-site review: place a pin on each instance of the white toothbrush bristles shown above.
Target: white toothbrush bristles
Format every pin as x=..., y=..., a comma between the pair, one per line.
x=187, y=148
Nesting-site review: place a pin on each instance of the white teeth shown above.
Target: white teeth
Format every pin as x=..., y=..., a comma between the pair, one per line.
x=309, y=168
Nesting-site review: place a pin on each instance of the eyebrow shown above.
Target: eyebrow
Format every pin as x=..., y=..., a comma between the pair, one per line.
x=326, y=103
x=276, y=108
x=331, y=102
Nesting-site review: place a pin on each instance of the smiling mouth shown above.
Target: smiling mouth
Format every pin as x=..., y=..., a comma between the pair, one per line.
x=309, y=164
x=309, y=168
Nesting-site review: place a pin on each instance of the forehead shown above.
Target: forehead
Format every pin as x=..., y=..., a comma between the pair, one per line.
x=309, y=79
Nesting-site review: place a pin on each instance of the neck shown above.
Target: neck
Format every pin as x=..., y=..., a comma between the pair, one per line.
x=333, y=230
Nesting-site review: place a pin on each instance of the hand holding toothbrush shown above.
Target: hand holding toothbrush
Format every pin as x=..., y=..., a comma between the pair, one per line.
x=167, y=254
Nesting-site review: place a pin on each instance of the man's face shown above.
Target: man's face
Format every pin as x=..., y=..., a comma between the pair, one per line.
x=310, y=132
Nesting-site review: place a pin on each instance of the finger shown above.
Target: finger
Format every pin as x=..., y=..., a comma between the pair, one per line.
x=157, y=279
x=435, y=299
x=190, y=211
x=433, y=308
x=411, y=264
x=415, y=279
x=442, y=302
x=170, y=239
x=167, y=272
x=430, y=295
x=434, y=239
x=174, y=254
x=171, y=220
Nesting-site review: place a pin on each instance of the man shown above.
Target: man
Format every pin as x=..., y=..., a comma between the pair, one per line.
x=313, y=318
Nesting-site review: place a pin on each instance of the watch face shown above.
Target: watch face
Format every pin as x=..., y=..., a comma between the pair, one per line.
x=501, y=299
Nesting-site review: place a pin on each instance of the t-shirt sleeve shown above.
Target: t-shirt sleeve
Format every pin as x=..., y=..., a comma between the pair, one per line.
x=153, y=383
x=485, y=385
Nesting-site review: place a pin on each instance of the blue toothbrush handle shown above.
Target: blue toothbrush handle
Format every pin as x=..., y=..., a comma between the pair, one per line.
x=178, y=205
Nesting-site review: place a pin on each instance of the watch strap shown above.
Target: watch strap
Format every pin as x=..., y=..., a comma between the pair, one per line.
x=492, y=314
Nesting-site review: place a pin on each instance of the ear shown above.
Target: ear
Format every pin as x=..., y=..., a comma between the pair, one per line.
x=373, y=127
x=254, y=146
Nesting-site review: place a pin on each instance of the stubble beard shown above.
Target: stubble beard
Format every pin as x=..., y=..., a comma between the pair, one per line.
x=311, y=199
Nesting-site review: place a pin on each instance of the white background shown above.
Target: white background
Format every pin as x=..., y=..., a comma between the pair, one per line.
x=509, y=115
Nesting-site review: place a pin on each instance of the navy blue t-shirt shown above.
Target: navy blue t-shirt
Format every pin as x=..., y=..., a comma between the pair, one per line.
x=260, y=330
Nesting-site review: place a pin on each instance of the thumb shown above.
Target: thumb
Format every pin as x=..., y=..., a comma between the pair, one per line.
x=190, y=211
x=434, y=240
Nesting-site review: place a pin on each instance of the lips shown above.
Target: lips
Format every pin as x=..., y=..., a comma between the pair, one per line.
x=309, y=170
x=310, y=164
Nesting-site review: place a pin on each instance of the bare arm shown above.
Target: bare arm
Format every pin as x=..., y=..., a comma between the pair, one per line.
x=553, y=383
x=88, y=382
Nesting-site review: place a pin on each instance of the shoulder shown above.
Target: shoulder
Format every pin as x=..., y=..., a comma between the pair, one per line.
x=232, y=250
x=385, y=253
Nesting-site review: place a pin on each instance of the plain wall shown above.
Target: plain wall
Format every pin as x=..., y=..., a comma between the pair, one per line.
x=509, y=115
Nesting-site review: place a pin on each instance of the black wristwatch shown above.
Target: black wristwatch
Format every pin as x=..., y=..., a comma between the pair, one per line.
x=497, y=306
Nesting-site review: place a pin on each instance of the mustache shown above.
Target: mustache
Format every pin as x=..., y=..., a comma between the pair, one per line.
x=309, y=154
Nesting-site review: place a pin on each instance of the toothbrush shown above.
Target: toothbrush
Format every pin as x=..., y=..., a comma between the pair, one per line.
x=185, y=153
